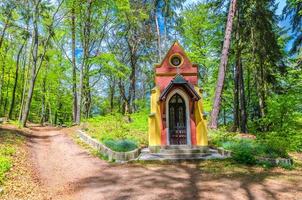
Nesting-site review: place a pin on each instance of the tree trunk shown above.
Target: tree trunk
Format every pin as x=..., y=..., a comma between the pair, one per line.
x=28, y=100
x=43, y=106
x=112, y=93
x=84, y=70
x=36, y=65
x=78, y=116
x=132, y=89
x=236, y=76
x=2, y=83
x=50, y=117
x=6, y=95
x=86, y=94
x=236, y=96
x=222, y=66
x=24, y=84
x=126, y=104
x=243, y=116
x=15, y=82
x=261, y=88
x=74, y=73
x=33, y=70
x=158, y=37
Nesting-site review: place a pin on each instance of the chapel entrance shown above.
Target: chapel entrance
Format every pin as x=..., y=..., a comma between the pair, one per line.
x=177, y=121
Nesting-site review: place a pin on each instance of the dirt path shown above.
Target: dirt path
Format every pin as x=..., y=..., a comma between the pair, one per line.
x=66, y=171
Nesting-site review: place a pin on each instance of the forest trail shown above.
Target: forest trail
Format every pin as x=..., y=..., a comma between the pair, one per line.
x=66, y=171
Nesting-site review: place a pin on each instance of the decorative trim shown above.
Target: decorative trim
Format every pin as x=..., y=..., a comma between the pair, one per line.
x=175, y=43
x=174, y=73
x=180, y=81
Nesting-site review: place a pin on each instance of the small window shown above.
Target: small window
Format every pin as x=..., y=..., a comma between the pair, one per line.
x=176, y=60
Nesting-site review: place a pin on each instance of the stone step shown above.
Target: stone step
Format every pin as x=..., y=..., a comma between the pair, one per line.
x=178, y=156
x=181, y=151
x=210, y=154
x=177, y=147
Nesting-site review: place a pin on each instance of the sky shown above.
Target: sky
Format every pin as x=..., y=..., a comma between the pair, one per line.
x=279, y=10
x=281, y=5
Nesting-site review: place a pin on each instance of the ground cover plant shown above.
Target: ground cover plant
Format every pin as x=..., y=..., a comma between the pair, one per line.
x=246, y=150
x=8, y=147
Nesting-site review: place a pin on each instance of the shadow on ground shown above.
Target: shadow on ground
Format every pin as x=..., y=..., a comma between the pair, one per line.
x=67, y=170
x=188, y=181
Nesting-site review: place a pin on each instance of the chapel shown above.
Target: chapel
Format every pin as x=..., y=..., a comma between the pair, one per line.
x=177, y=115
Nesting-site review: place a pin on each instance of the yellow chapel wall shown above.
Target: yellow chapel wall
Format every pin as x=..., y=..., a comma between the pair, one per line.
x=154, y=121
x=201, y=123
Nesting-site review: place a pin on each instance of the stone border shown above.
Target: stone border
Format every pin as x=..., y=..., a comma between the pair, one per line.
x=112, y=155
x=224, y=152
x=277, y=161
x=273, y=161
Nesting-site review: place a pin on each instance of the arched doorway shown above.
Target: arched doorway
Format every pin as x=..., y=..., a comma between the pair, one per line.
x=177, y=120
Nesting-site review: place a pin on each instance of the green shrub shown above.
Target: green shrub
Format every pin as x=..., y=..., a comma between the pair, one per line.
x=296, y=143
x=120, y=145
x=243, y=151
x=273, y=145
x=266, y=164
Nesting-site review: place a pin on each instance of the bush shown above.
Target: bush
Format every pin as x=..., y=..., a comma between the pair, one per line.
x=296, y=143
x=120, y=145
x=273, y=145
x=243, y=151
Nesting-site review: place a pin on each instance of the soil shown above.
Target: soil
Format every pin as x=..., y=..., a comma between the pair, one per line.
x=64, y=170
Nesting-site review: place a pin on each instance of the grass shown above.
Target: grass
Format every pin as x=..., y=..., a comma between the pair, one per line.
x=118, y=132
x=8, y=147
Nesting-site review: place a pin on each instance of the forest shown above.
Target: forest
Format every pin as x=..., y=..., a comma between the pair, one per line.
x=65, y=61
x=93, y=104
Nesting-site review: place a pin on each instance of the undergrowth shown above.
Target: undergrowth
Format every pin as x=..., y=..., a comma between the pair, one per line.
x=119, y=132
x=8, y=144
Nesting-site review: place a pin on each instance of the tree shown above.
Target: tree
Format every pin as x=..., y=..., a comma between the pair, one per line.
x=222, y=66
x=38, y=57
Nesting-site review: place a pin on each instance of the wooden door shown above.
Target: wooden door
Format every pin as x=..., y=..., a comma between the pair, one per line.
x=177, y=121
